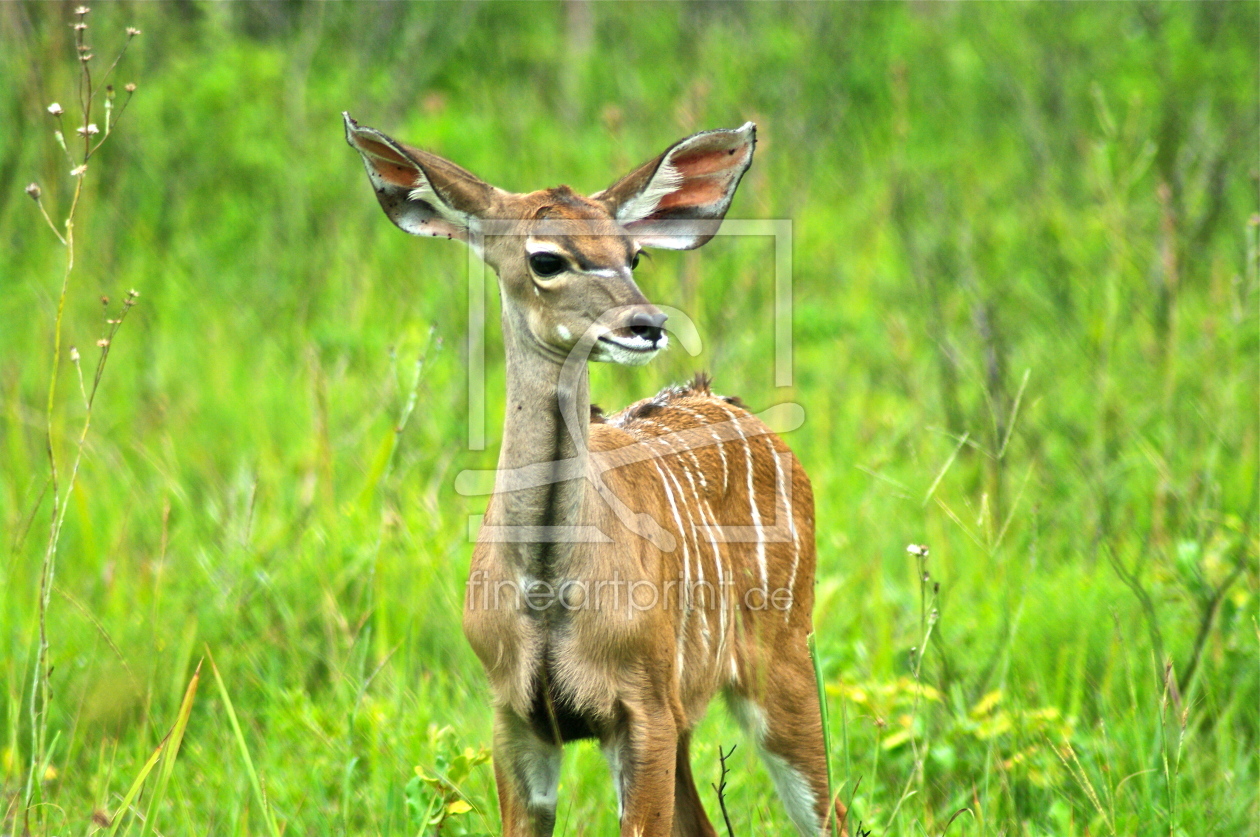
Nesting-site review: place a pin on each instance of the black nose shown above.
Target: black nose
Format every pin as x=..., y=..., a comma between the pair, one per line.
x=647, y=324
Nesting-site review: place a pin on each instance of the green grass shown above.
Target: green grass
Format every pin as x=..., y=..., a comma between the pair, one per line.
x=1025, y=324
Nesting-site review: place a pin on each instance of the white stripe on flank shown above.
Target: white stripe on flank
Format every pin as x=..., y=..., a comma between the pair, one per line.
x=752, y=503
x=783, y=489
x=691, y=453
x=704, y=613
x=711, y=527
x=709, y=524
x=682, y=622
x=721, y=446
x=699, y=469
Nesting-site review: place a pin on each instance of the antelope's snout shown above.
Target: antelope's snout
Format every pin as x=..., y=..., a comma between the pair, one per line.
x=633, y=337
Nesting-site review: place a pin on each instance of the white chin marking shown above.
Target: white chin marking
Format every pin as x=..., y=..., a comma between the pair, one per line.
x=628, y=351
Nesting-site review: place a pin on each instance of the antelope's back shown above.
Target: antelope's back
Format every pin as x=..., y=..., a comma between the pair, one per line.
x=741, y=510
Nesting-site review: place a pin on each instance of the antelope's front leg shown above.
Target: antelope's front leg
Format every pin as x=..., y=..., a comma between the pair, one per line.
x=526, y=772
x=646, y=760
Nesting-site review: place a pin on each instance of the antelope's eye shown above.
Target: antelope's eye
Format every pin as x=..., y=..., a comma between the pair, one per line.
x=634, y=261
x=546, y=264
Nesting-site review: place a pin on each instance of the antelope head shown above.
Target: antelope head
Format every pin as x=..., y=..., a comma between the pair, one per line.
x=565, y=261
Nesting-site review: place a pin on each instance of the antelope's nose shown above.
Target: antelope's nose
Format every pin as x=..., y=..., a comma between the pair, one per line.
x=647, y=324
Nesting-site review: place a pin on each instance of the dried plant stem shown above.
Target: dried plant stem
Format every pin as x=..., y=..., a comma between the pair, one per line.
x=41, y=680
x=927, y=622
x=40, y=683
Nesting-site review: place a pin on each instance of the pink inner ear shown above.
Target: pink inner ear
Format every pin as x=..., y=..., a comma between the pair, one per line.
x=403, y=178
x=706, y=162
x=695, y=193
x=392, y=168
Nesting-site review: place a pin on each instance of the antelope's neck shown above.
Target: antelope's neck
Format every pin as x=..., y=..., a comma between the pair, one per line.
x=543, y=458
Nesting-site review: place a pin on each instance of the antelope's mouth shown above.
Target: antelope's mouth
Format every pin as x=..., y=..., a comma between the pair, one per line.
x=636, y=338
x=631, y=346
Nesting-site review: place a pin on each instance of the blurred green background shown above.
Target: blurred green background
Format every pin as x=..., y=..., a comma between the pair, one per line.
x=1025, y=323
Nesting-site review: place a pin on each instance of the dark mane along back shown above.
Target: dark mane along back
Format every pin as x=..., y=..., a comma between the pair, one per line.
x=640, y=413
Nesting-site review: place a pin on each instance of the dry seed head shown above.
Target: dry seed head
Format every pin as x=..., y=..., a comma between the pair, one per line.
x=917, y=549
x=130, y=88
x=34, y=191
x=78, y=170
x=89, y=130
x=132, y=31
x=82, y=10
x=74, y=354
x=102, y=343
x=55, y=109
x=79, y=27
x=104, y=300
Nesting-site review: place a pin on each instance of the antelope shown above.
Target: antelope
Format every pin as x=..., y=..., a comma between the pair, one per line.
x=629, y=567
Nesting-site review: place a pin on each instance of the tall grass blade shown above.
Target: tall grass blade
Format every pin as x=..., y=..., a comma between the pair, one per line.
x=240, y=741
x=822, y=711
x=165, y=755
x=166, y=764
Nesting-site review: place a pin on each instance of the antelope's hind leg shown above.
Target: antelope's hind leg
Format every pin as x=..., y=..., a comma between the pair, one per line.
x=782, y=718
x=643, y=753
x=527, y=775
x=689, y=817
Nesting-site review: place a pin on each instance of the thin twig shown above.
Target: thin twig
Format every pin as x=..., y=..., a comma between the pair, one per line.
x=720, y=788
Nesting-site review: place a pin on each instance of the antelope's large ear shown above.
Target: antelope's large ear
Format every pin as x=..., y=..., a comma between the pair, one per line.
x=678, y=200
x=422, y=193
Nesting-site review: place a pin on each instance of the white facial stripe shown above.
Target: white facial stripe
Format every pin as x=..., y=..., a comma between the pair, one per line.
x=534, y=245
x=607, y=273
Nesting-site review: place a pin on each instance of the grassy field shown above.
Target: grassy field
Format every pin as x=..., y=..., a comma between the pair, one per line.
x=1025, y=295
